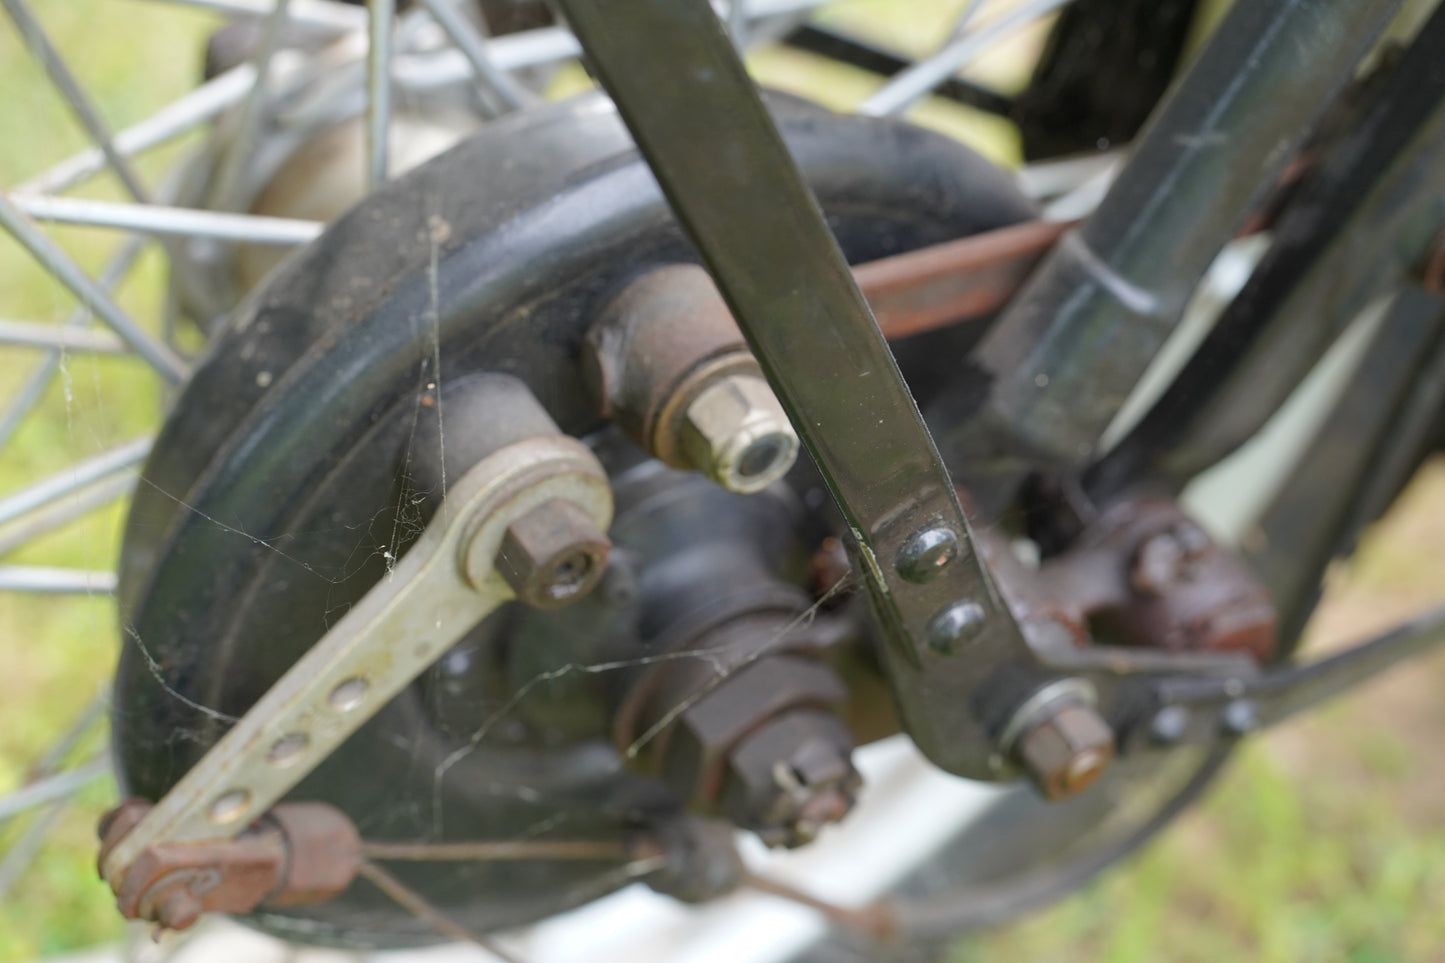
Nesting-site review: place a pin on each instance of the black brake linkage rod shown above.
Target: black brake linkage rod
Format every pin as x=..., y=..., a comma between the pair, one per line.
x=698, y=119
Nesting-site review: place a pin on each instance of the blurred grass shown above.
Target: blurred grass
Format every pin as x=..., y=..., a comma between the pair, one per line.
x=1324, y=842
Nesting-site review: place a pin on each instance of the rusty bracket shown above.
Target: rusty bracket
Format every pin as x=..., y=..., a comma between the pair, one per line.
x=298, y=853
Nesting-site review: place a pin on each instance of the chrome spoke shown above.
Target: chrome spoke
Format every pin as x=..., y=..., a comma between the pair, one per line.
x=160, y=220
x=32, y=334
x=964, y=20
x=378, y=90
x=184, y=114
x=465, y=38
x=77, y=99
x=922, y=78
x=61, y=749
x=222, y=193
x=23, y=851
x=62, y=511
x=91, y=294
x=34, y=385
x=50, y=788
x=318, y=14
x=74, y=478
x=45, y=580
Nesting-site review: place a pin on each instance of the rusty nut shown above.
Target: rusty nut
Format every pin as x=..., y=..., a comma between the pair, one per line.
x=553, y=555
x=737, y=434
x=792, y=777
x=1067, y=751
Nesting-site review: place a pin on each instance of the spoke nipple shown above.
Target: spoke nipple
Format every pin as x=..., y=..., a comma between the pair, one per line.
x=927, y=553
x=955, y=626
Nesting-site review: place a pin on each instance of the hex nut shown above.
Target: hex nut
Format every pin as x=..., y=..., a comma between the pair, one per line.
x=1068, y=751
x=737, y=434
x=791, y=777
x=553, y=555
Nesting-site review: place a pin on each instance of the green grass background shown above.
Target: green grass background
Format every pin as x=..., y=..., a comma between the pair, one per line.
x=1324, y=842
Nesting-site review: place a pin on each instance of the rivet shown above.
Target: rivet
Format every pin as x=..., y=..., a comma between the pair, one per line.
x=1240, y=717
x=1170, y=725
x=959, y=623
x=927, y=553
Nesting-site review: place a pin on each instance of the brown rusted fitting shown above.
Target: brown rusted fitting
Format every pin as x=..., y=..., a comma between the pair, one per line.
x=667, y=363
x=298, y=853
x=755, y=738
x=1058, y=738
x=1148, y=575
x=1068, y=751
x=553, y=555
x=791, y=777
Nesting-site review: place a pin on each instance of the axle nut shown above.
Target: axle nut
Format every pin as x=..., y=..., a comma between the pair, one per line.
x=1068, y=751
x=737, y=434
x=553, y=555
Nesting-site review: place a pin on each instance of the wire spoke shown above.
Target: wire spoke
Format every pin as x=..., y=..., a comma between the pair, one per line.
x=964, y=20
x=74, y=478
x=33, y=387
x=63, y=511
x=22, y=852
x=80, y=104
x=465, y=38
x=161, y=220
x=335, y=18
x=91, y=294
x=222, y=194
x=50, y=788
x=179, y=117
x=32, y=334
x=44, y=580
x=919, y=81
x=378, y=91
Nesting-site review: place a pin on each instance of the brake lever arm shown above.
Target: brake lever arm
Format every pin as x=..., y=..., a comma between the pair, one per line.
x=699, y=121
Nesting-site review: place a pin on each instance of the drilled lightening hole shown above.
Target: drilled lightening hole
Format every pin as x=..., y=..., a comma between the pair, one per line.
x=230, y=806
x=349, y=694
x=288, y=750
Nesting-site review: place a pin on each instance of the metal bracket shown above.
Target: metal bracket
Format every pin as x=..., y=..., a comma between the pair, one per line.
x=443, y=586
x=699, y=121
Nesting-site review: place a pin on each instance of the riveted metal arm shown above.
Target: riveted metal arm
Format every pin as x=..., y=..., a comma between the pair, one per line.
x=699, y=121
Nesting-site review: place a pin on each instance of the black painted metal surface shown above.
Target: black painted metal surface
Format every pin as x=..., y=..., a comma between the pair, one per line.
x=1321, y=270
x=697, y=118
x=1076, y=341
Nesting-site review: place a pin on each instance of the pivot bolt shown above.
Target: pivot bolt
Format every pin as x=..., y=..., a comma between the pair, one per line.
x=553, y=555
x=1068, y=751
x=737, y=434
